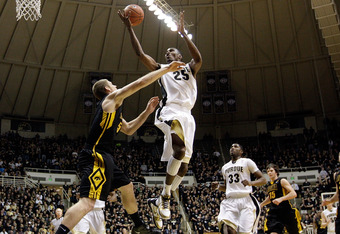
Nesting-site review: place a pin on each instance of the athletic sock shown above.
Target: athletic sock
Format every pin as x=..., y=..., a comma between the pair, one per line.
x=62, y=229
x=177, y=181
x=136, y=219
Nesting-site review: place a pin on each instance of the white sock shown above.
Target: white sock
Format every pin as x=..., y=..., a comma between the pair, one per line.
x=166, y=191
x=177, y=181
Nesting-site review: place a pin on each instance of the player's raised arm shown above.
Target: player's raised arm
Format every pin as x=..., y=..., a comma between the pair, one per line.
x=146, y=59
x=196, y=62
x=116, y=98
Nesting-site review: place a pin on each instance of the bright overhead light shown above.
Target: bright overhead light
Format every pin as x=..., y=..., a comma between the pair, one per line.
x=153, y=7
x=190, y=36
x=158, y=11
x=171, y=24
x=167, y=19
x=149, y=2
x=161, y=16
x=165, y=12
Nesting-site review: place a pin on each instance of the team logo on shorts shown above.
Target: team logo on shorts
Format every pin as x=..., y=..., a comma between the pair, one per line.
x=97, y=179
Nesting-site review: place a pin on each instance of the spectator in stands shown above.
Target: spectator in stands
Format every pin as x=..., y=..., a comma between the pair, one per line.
x=296, y=188
x=306, y=184
x=306, y=220
x=323, y=175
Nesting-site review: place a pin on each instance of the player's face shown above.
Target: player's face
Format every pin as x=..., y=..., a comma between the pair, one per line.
x=271, y=173
x=111, y=86
x=330, y=206
x=235, y=150
x=58, y=213
x=172, y=54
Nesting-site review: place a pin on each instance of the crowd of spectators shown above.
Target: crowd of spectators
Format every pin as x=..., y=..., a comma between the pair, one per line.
x=137, y=159
x=27, y=210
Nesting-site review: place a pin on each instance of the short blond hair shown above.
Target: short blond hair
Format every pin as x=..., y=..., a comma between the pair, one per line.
x=99, y=90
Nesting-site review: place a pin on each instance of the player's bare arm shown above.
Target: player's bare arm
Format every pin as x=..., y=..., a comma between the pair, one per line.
x=196, y=62
x=146, y=59
x=116, y=98
x=290, y=192
x=335, y=197
x=216, y=185
x=131, y=127
x=260, y=180
x=324, y=223
x=265, y=202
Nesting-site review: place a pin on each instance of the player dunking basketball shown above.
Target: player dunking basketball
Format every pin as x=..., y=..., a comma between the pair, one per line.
x=179, y=90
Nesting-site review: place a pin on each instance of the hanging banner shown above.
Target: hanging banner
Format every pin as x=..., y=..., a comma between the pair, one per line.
x=206, y=104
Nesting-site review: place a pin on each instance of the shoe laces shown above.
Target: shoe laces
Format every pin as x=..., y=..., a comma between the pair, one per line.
x=165, y=202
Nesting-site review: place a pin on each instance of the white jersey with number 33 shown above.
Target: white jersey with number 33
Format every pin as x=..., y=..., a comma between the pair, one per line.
x=234, y=173
x=179, y=88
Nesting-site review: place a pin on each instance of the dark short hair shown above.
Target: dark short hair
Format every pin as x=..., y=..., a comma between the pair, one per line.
x=274, y=166
x=241, y=147
x=98, y=89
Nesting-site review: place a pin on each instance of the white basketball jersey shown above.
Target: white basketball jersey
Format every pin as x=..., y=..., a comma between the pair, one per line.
x=179, y=88
x=99, y=204
x=330, y=215
x=234, y=173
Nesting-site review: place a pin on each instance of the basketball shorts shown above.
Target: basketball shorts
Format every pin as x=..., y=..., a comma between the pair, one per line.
x=278, y=219
x=93, y=222
x=100, y=175
x=337, y=224
x=184, y=126
x=241, y=214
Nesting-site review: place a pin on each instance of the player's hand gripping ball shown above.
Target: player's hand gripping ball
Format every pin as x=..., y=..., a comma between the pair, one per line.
x=136, y=14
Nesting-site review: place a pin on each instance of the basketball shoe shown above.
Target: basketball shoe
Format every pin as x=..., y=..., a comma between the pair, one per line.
x=164, y=206
x=155, y=213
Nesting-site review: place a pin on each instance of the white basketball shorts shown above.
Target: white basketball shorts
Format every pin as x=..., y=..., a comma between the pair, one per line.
x=240, y=213
x=94, y=221
x=188, y=125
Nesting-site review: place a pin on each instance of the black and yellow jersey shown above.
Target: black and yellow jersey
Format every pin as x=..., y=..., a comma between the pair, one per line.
x=337, y=181
x=104, y=127
x=275, y=190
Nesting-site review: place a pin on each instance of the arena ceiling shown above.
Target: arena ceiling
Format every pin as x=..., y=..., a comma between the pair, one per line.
x=273, y=50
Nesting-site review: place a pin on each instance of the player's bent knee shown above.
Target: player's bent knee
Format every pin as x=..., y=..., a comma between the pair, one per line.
x=179, y=152
x=87, y=203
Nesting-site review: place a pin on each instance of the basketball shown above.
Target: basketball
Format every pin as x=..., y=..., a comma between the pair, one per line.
x=136, y=14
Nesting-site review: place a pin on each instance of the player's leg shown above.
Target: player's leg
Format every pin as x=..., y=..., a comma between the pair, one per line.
x=228, y=216
x=95, y=184
x=292, y=221
x=173, y=166
x=130, y=205
x=75, y=214
x=189, y=134
x=226, y=229
x=84, y=225
x=249, y=212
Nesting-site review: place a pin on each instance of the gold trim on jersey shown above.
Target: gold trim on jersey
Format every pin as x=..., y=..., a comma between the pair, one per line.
x=298, y=219
x=227, y=222
x=97, y=177
x=177, y=128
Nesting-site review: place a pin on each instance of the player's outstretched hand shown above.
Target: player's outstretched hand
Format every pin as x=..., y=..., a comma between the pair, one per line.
x=175, y=66
x=152, y=104
x=214, y=185
x=124, y=17
x=180, y=24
